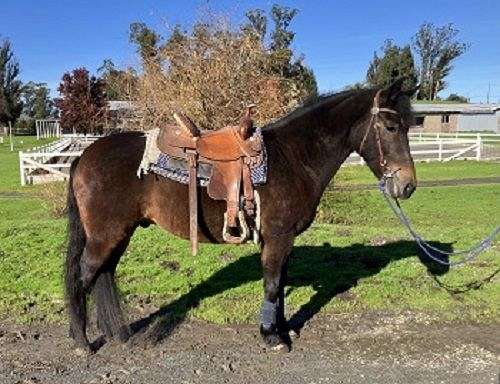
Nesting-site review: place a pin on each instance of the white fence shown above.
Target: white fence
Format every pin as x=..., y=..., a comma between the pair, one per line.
x=47, y=128
x=52, y=161
x=485, y=137
x=435, y=147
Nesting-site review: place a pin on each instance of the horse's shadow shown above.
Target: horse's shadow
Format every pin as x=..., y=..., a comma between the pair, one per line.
x=329, y=270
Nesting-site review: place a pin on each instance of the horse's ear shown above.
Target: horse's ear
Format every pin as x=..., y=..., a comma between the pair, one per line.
x=393, y=91
x=411, y=92
x=186, y=124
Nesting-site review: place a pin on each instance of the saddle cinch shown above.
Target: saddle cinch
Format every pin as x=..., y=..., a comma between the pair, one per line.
x=231, y=152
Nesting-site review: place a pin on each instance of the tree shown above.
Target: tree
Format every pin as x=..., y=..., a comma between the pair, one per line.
x=256, y=25
x=437, y=48
x=395, y=62
x=10, y=86
x=213, y=70
x=457, y=98
x=282, y=56
x=37, y=101
x=82, y=104
x=145, y=39
x=120, y=84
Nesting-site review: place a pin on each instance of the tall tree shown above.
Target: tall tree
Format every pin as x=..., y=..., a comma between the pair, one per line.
x=37, y=101
x=10, y=86
x=394, y=62
x=145, y=39
x=257, y=24
x=437, y=48
x=282, y=56
x=120, y=84
x=82, y=104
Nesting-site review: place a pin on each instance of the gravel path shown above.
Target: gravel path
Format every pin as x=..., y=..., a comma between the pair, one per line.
x=365, y=348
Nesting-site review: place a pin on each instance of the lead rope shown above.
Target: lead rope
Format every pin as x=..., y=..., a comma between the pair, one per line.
x=470, y=254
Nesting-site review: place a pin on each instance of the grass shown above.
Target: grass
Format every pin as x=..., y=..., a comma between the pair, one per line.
x=460, y=169
x=9, y=161
x=356, y=257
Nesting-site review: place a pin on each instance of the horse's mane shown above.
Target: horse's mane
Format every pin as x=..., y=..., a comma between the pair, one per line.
x=314, y=102
x=403, y=105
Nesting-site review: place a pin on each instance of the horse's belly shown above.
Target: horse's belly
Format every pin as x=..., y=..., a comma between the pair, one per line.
x=169, y=208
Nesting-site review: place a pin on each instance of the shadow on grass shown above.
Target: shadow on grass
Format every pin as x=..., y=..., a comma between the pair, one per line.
x=329, y=270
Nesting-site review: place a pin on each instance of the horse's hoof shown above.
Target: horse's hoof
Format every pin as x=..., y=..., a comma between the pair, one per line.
x=271, y=340
x=281, y=347
x=293, y=334
x=83, y=351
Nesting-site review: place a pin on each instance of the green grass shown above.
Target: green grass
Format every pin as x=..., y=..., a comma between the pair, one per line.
x=9, y=161
x=356, y=257
x=460, y=169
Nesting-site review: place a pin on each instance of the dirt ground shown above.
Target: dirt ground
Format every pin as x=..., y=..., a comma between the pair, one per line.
x=365, y=348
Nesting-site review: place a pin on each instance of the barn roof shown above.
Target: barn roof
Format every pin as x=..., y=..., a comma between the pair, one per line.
x=432, y=108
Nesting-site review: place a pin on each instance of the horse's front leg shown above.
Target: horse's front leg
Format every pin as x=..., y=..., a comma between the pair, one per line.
x=275, y=252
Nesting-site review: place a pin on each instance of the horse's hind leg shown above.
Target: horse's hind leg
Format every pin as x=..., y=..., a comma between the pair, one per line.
x=98, y=264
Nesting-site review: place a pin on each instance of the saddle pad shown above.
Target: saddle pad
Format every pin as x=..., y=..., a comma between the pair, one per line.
x=177, y=169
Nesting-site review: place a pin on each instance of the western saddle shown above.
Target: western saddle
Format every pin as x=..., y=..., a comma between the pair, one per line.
x=231, y=152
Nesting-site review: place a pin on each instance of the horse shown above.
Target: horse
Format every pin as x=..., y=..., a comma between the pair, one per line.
x=305, y=149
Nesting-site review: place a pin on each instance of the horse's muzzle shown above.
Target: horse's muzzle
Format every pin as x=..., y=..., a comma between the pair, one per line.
x=399, y=188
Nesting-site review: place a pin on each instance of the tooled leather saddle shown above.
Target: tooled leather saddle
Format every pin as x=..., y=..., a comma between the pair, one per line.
x=230, y=152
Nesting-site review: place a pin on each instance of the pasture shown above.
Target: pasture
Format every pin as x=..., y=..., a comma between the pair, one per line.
x=356, y=258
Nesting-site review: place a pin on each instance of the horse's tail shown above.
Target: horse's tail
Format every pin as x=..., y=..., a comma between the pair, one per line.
x=75, y=293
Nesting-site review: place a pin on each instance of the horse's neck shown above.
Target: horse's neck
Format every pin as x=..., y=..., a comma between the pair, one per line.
x=318, y=142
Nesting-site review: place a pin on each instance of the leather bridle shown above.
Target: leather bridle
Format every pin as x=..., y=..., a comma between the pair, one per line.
x=375, y=124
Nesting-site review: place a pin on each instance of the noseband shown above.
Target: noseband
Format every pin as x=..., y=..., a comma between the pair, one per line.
x=375, y=125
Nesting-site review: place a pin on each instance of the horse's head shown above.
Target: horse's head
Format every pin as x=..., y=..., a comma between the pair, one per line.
x=383, y=140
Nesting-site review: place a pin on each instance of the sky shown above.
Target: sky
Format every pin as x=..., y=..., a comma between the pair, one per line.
x=337, y=37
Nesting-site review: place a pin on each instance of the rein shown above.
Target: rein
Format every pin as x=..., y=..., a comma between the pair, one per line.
x=467, y=254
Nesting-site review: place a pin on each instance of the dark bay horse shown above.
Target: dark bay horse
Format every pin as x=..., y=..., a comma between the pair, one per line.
x=107, y=201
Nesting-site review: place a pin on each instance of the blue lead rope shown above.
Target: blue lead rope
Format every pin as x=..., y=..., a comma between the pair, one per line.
x=470, y=253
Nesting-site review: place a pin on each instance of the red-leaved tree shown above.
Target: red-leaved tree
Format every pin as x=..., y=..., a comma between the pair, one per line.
x=82, y=104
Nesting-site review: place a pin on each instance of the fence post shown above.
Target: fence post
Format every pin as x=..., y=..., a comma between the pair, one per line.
x=478, y=147
x=440, y=154
x=21, y=169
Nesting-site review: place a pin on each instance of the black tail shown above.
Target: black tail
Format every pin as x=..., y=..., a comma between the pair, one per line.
x=110, y=317
x=75, y=294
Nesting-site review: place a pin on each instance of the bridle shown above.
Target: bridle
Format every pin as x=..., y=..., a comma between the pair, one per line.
x=428, y=249
x=375, y=125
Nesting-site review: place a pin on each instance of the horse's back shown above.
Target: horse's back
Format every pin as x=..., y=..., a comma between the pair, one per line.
x=107, y=190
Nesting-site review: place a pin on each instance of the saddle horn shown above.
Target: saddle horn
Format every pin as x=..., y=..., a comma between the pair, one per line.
x=246, y=122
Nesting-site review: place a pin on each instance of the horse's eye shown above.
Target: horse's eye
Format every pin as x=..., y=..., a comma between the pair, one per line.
x=391, y=128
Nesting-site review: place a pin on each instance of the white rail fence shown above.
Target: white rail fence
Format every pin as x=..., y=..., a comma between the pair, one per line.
x=51, y=162
x=47, y=128
x=447, y=149
x=423, y=136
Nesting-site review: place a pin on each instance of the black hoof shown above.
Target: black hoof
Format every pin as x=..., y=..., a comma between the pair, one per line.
x=275, y=339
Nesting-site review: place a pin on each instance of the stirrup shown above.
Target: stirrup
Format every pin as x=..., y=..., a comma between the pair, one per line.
x=228, y=238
